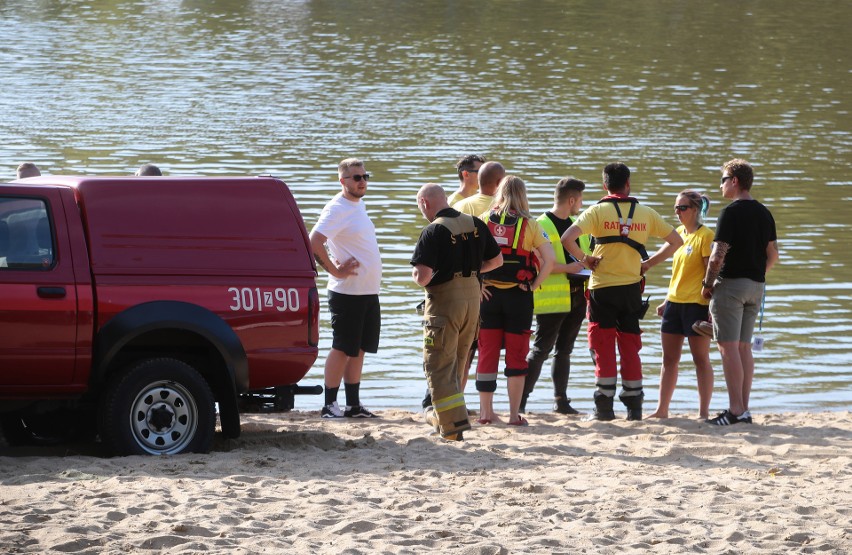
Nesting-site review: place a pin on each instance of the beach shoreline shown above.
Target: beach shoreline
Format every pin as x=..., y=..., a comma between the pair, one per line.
x=294, y=482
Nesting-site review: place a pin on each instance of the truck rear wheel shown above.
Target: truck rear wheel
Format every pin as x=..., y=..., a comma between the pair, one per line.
x=160, y=406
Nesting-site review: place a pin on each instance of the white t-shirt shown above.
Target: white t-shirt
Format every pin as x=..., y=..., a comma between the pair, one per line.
x=351, y=234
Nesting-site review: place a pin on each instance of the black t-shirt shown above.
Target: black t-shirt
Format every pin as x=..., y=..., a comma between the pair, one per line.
x=438, y=250
x=748, y=227
x=561, y=226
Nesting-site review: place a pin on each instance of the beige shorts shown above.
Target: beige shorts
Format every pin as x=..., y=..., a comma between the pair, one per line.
x=734, y=309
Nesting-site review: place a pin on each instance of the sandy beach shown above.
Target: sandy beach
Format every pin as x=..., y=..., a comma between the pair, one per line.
x=295, y=483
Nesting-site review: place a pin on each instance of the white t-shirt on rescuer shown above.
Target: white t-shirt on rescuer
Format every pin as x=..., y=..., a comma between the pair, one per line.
x=351, y=234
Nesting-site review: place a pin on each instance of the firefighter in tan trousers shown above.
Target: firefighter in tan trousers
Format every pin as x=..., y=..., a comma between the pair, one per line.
x=453, y=250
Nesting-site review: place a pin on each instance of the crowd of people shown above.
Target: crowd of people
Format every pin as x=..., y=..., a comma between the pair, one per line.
x=489, y=267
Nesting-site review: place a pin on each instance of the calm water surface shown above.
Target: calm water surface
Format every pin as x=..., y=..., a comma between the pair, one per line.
x=550, y=88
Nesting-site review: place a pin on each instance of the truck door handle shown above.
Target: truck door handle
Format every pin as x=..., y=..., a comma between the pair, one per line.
x=51, y=292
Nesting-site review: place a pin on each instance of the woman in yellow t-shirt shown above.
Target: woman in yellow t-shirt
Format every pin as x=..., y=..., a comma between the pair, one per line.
x=684, y=304
x=507, y=297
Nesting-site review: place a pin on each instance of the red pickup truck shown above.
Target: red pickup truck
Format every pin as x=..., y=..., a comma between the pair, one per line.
x=133, y=307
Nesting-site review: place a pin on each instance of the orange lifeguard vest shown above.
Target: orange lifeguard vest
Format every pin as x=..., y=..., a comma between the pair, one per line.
x=519, y=264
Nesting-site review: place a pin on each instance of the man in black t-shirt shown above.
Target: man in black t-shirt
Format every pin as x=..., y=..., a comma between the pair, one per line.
x=449, y=257
x=744, y=248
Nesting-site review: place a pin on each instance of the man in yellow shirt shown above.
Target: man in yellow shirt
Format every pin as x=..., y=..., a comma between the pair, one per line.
x=468, y=168
x=490, y=174
x=621, y=228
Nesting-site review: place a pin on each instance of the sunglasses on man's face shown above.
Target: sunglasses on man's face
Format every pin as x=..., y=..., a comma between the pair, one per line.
x=358, y=178
x=682, y=207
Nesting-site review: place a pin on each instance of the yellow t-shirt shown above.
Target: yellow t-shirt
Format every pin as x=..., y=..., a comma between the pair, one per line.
x=620, y=263
x=534, y=237
x=475, y=205
x=688, y=266
x=454, y=198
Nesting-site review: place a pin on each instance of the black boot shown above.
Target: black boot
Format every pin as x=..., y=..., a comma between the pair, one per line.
x=634, y=405
x=603, y=408
x=562, y=405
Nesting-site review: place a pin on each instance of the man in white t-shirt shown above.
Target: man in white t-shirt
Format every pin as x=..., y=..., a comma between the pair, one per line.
x=344, y=244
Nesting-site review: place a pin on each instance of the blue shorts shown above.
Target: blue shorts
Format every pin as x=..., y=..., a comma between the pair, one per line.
x=679, y=317
x=356, y=322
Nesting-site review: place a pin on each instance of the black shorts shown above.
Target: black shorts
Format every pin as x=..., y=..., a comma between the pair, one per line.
x=510, y=310
x=679, y=317
x=356, y=321
x=616, y=307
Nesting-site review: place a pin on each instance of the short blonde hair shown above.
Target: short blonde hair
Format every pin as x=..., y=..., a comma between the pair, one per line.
x=348, y=163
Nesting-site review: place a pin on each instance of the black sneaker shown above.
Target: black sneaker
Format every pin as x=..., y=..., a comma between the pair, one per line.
x=563, y=406
x=358, y=412
x=727, y=418
x=331, y=411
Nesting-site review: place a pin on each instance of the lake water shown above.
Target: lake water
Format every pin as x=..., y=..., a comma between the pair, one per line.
x=549, y=88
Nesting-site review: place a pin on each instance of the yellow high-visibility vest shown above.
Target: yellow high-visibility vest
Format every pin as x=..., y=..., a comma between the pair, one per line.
x=554, y=295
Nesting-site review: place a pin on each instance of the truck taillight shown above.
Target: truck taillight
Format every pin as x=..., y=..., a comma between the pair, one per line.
x=313, y=317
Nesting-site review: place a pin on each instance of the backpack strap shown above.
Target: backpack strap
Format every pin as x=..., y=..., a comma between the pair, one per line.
x=623, y=226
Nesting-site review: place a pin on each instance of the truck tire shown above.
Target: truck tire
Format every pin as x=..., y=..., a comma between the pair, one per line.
x=160, y=406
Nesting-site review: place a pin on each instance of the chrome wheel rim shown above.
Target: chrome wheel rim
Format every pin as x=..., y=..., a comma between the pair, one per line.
x=163, y=418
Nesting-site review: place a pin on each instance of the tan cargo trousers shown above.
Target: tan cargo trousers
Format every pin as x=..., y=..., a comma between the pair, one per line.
x=450, y=325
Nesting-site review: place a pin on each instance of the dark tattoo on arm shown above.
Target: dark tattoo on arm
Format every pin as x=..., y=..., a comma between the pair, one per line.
x=717, y=258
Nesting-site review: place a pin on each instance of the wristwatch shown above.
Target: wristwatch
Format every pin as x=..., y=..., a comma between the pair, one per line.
x=704, y=285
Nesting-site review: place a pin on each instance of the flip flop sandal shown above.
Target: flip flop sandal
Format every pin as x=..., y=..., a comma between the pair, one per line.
x=521, y=422
x=484, y=421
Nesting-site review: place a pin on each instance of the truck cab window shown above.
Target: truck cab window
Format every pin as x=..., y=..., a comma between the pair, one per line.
x=26, y=238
